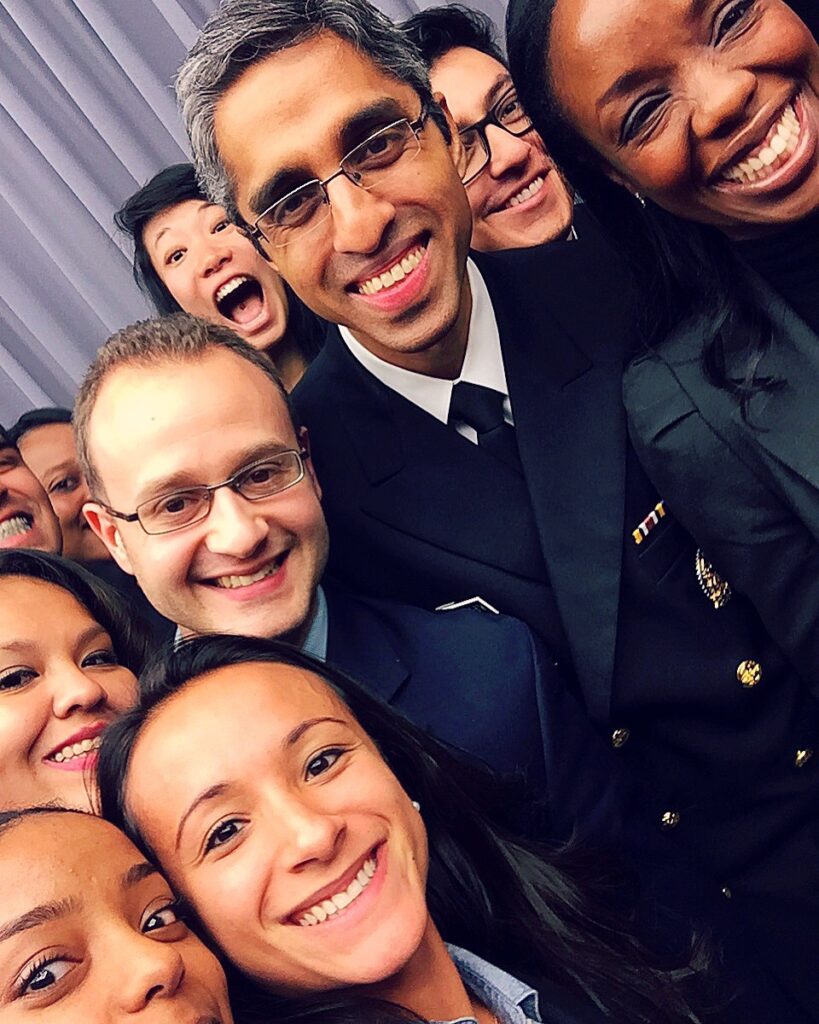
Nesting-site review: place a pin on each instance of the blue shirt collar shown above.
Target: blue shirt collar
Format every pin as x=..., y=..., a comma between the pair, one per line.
x=315, y=643
x=510, y=1000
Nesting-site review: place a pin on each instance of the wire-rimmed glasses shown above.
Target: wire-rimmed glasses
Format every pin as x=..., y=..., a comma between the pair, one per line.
x=188, y=505
x=508, y=114
x=370, y=163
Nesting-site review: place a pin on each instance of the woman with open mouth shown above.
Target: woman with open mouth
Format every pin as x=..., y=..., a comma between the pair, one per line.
x=692, y=132
x=70, y=649
x=332, y=849
x=189, y=256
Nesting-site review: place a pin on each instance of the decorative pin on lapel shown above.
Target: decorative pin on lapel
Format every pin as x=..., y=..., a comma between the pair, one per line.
x=478, y=603
x=648, y=524
x=715, y=588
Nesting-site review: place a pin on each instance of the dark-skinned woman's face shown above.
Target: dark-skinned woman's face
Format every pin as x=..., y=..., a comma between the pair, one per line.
x=710, y=108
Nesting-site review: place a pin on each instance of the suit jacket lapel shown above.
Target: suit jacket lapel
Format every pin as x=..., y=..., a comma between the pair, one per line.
x=402, y=449
x=570, y=426
x=359, y=646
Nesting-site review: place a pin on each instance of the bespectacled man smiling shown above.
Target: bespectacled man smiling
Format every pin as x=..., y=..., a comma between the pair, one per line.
x=517, y=195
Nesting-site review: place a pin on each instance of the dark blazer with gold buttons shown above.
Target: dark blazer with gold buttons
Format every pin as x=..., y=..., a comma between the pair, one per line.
x=418, y=513
x=746, y=487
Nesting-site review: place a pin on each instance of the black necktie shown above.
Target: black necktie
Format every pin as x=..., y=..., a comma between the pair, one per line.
x=482, y=409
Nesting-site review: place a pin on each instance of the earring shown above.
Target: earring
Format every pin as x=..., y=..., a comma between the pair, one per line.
x=416, y=805
x=640, y=199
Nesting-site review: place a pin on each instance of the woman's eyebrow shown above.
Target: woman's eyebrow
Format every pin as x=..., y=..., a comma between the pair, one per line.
x=136, y=873
x=42, y=914
x=627, y=83
x=220, y=788
x=303, y=727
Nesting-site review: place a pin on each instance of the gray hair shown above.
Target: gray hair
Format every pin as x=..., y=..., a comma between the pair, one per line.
x=177, y=338
x=242, y=32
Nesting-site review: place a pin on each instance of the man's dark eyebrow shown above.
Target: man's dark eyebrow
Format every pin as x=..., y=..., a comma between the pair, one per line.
x=369, y=119
x=277, y=187
x=186, y=478
x=36, y=916
x=136, y=873
x=500, y=85
x=502, y=82
x=354, y=130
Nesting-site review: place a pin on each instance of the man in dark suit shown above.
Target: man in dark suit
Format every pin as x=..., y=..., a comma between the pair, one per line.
x=247, y=555
x=471, y=439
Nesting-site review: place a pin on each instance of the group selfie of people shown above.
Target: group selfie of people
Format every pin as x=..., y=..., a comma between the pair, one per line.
x=417, y=618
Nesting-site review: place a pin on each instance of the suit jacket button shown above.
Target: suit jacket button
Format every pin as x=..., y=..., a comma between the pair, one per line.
x=670, y=819
x=619, y=737
x=802, y=757
x=749, y=673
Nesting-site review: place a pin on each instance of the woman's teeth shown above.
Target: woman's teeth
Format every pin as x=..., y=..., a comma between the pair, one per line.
x=232, y=582
x=403, y=268
x=77, y=749
x=321, y=911
x=14, y=527
x=230, y=286
x=779, y=144
x=526, y=193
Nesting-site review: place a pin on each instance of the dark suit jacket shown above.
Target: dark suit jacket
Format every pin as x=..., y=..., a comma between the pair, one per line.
x=482, y=683
x=418, y=513
x=411, y=503
x=748, y=490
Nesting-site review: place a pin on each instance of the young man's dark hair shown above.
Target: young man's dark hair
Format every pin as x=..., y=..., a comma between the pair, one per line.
x=38, y=418
x=437, y=30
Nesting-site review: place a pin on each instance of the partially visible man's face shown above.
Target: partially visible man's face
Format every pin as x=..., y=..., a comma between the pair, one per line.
x=51, y=455
x=249, y=567
x=27, y=519
x=519, y=198
x=291, y=118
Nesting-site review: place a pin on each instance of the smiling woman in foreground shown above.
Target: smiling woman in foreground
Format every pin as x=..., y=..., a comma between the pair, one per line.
x=692, y=132
x=327, y=845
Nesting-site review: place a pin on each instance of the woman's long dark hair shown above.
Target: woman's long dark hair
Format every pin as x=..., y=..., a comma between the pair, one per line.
x=504, y=899
x=129, y=634
x=683, y=268
x=170, y=187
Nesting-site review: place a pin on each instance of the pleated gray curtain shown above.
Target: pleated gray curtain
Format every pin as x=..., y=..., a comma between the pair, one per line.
x=87, y=114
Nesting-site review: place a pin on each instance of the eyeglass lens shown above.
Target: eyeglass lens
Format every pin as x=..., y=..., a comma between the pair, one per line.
x=183, y=508
x=508, y=114
x=368, y=165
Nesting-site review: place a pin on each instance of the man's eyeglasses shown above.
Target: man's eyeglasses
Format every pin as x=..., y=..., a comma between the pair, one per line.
x=508, y=114
x=374, y=160
x=178, y=509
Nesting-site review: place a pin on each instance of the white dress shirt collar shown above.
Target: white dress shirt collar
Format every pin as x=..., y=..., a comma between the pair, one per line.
x=483, y=361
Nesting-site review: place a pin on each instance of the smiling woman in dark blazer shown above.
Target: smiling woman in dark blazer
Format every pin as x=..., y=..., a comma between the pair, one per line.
x=697, y=151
